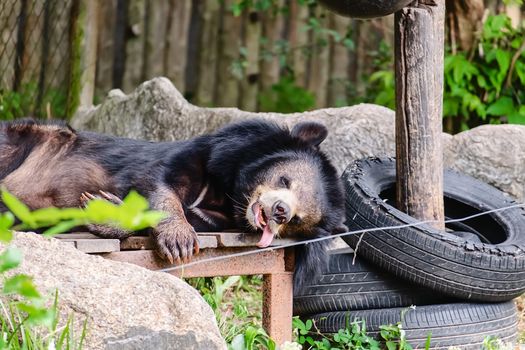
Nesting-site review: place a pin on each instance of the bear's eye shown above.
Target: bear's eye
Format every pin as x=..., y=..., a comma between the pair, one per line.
x=295, y=220
x=284, y=182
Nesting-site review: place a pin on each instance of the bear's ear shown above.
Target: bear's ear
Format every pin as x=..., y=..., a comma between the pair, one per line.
x=310, y=132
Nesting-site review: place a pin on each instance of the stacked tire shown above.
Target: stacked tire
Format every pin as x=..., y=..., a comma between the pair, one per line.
x=462, y=279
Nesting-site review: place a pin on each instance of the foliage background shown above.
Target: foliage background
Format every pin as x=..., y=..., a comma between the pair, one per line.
x=259, y=55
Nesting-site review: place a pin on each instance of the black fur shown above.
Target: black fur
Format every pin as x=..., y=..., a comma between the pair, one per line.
x=232, y=162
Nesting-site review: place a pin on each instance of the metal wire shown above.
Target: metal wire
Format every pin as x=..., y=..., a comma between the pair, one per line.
x=35, y=46
x=308, y=241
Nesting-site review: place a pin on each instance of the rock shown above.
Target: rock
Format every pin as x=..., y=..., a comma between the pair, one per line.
x=157, y=111
x=492, y=153
x=127, y=307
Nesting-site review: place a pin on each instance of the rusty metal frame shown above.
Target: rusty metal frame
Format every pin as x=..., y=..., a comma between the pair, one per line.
x=276, y=266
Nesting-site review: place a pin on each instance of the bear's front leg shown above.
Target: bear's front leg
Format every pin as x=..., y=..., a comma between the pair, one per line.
x=175, y=238
x=104, y=231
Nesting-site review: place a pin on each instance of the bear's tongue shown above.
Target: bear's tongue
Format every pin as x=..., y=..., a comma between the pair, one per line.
x=266, y=238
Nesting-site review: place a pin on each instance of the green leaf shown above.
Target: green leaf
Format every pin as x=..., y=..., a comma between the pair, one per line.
x=308, y=324
x=10, y=258
x=19, y=209
x=62, y=227
x=503, y=106
x=503, y=57
x=21, y=284
x=6, y=222
x=390, y=345
x=38, y=315
x=134, y=203
x=516, y=118
x=428, y=343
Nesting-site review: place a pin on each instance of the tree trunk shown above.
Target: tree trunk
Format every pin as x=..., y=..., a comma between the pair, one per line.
x=340, y=61
x=464, y=20
x=156, y=30
x=208, y=53
x=177, y=42
x=135, y=43
x=229, y=45
x=273, y=25
x=320, y=63
x=419, y=55
x=298, y=38
x=250, y=82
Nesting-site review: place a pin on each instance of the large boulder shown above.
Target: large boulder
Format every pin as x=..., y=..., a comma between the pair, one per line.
x=126, y=306
x=492, y=153
x=157, y=111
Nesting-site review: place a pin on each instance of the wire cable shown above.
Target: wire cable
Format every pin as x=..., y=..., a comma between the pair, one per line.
x=319, y=239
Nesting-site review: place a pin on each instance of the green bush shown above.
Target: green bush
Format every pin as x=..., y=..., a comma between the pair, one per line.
x=487, y=85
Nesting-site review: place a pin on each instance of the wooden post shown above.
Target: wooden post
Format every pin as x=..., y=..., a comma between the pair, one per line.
x=419, y=50
x=250, y=83
x=227, y=90
x=89, y=58
x=83, y=54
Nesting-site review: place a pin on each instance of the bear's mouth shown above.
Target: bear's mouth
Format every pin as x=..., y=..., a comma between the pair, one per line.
x=261, y=221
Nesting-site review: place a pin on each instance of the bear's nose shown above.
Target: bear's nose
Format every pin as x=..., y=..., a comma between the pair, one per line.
x=281, y=212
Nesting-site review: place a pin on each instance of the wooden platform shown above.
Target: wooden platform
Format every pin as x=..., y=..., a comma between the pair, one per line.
x=276, y=266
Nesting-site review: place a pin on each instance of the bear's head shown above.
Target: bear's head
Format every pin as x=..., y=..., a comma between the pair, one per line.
x=294, y=191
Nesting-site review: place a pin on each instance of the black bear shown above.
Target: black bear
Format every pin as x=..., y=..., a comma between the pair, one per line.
x=253, y=175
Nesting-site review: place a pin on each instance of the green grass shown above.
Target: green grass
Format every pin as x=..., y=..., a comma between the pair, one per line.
x=237, y=304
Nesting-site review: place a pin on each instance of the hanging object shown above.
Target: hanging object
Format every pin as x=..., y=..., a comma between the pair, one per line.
x=365, y=8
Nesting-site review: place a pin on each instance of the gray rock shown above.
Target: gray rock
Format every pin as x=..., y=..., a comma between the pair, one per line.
x=492, y=153
x=157, y=111
x=126, y=306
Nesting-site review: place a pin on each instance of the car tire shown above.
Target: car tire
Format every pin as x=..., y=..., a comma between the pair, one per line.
x=345, y=286
x=462, y=325
x=481, y=259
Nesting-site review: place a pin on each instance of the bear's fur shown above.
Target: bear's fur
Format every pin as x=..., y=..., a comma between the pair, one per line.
x=252, y=175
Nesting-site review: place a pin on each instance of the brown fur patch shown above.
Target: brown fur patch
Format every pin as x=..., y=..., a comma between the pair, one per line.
x=49, y=176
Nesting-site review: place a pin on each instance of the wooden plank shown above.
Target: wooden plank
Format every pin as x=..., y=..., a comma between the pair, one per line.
x=132, y=242
x=419, y=49
x=339, y=63
x=319, y=70
x=298, y=38
x=31, y=60
x=106, y=47
x=86, y=243
x=175, y=56
x=207, y=59
x=155, y=35
x=273, y=26
x=250, y=82
x=265, y=262
x=229, y=46
x=146, y=243
x=77, y=235
x=56, y=73
x=97, y=245
x=83, y=57
x=135, y=45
